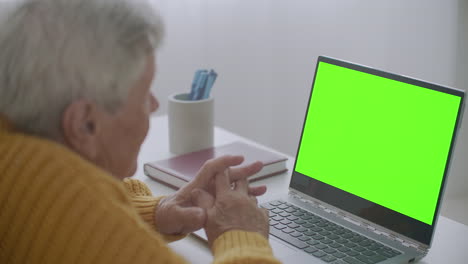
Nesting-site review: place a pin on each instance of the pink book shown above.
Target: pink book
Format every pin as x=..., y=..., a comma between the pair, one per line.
x=177, y=171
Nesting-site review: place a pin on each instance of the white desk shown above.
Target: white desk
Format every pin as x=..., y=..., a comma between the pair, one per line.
x=450, y=240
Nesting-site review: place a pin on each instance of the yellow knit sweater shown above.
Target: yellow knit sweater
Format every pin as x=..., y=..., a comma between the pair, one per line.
x=55, y=207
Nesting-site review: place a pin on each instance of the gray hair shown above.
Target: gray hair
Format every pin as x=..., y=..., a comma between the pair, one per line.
x=53, y=52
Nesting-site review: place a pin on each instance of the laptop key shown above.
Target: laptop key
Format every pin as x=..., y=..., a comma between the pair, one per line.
x=365, y=243
x=287, y=230
x=339, y=255
x=335, y=245
x=280, y=226
x=276, y=211
x=312, y=242
x=357, y=239
x=319, y=254
x=352, y=253
x=351, y=260
x=317, y=237
x=344, y=249
x=287, y=238
x=359, y=249
x=321, y=246
x=329, y=250
x=328, y=258
x=273, y=222
x=306, y=217
x=310, y=250
x=293, y=206
x=292, y=217
x=304, y=238
x=296, y=234
x=275, y=203
x=285, y=222
x=369, y=253
x=277, y=218
x=314, y=221
x=316, y=229
x=283, y=206
x=293, y=225
x=284, y=214
x=374, y=247
x=301, y=229
x=365, y=259
x=290, y=210
x=350, y=245
x=341, y=240
x=300, y=221
x=339, y=231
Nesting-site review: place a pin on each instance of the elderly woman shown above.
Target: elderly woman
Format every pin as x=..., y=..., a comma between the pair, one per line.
x=75, y=99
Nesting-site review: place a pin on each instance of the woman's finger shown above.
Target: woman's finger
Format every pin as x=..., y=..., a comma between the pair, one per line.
x=258, y=190
x=222, y=183
x=245, y=171
x=242, y=186
x=205, y=177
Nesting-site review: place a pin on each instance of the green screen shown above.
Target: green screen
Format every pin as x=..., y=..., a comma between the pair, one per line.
x=383, y=140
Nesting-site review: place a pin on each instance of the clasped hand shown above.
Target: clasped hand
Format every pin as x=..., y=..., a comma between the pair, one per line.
x=218, y=199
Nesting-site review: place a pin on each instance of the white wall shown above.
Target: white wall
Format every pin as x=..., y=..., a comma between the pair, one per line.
x=458, y=183
x=265, y=53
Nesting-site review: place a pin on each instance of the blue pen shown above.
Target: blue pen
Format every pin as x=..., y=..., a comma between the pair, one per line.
x=194, y=84
x=209, y=84
x=200, y=87
x=195, y=81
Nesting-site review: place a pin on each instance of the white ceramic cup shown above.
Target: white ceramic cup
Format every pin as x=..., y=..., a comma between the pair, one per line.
x=191, y=123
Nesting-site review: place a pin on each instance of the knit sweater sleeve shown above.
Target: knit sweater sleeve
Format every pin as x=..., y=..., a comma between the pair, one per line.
x=145, y=204
x=236, y=247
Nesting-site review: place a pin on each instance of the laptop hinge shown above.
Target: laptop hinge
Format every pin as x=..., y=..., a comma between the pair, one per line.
x=356, y=221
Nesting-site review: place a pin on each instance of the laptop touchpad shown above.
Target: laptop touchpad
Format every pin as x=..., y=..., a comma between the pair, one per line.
x=282, y=250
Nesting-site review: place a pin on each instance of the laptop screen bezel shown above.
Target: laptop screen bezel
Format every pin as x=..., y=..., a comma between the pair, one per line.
x=419, y=231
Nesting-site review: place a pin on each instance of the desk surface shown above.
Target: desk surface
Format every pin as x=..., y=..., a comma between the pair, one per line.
x=450, y=239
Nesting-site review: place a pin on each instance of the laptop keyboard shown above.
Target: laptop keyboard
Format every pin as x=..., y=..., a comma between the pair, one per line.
x=321, y=238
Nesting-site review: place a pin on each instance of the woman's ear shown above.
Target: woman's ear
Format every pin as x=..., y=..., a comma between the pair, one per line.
x=79, y=128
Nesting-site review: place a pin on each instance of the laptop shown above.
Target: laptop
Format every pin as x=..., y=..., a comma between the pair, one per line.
x=370, y=169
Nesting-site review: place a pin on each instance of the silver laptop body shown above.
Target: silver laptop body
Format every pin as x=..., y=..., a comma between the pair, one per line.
x=409, y=237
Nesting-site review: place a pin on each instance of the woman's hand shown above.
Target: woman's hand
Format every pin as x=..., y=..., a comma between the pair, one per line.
x=234, y=209
x=186, y=210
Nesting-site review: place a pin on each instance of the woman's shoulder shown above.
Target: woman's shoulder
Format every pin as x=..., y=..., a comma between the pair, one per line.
x=43, y=164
